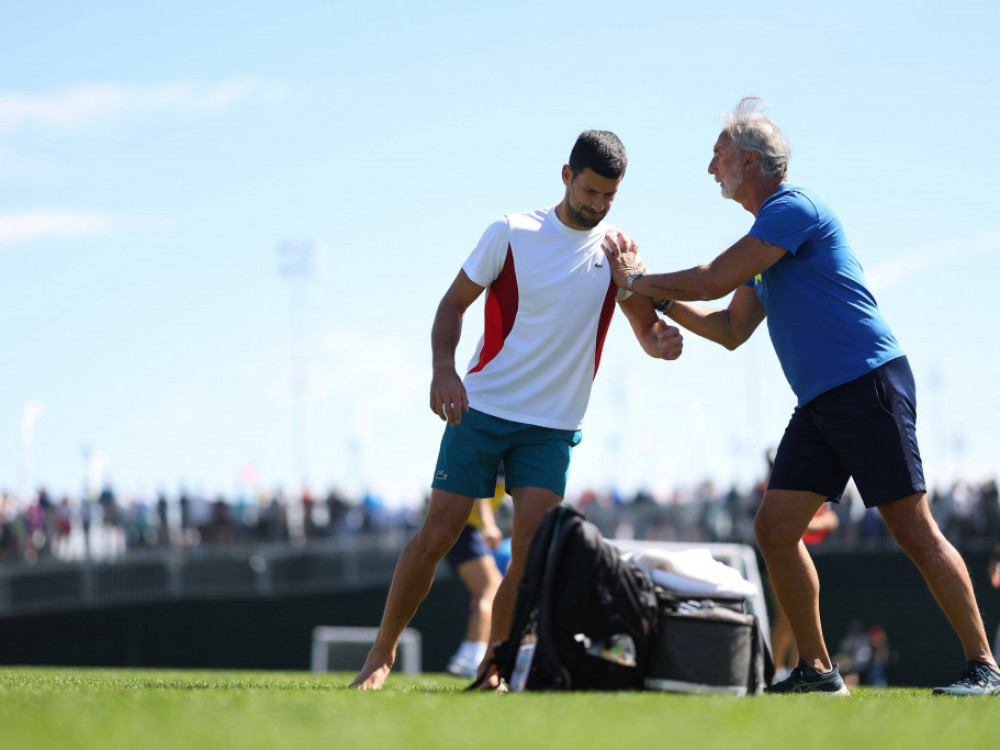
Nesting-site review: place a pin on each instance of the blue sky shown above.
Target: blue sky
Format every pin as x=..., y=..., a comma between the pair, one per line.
x=155, y=156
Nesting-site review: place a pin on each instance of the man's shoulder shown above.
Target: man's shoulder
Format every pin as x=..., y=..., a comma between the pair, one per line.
x=502, y=230
x=794, y=199
x=529, y=220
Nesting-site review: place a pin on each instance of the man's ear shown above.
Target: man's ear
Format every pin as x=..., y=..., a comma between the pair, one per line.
x=567, y=174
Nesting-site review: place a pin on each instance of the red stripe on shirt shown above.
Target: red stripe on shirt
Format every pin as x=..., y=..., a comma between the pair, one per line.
x=501, y=309
x=604, y=322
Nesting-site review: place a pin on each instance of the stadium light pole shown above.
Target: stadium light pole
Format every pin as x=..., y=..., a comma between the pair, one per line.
x=297, y=264
x=31, y=411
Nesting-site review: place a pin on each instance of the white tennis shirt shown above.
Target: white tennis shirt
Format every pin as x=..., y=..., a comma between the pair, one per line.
x=549, y=304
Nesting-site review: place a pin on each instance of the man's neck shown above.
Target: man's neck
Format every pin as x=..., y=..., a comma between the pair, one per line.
x=566, y=219
x=755, y=192
x=561, y=213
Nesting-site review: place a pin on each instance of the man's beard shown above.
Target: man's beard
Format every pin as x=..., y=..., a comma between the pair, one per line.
x=732, y=180
x=587, y=220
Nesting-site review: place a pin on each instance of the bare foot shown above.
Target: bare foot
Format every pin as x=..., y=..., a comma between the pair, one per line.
x=372, y=676
x=494, y=683
x=492, y=680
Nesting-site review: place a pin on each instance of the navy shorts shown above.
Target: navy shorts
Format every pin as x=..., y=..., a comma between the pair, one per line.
x=866, y=429
x=532, y=456
x=469, y=546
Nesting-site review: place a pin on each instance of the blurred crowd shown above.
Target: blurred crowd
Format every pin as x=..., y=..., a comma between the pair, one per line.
x=109, y=526
x=966, y=512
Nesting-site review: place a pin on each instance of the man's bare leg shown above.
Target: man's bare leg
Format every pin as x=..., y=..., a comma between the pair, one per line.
x=447, y=514
x=917, y=533
x=781, y=521
x=530, y=505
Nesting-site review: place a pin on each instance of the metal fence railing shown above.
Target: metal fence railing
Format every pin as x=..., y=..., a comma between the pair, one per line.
x=226, y=571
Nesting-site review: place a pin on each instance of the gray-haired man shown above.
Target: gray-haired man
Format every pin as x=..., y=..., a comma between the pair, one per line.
x=856, y=413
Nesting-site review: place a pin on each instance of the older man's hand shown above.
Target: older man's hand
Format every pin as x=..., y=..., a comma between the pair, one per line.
x=623, y=254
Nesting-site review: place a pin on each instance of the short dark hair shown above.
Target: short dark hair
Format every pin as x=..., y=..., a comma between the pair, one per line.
x=601, y=151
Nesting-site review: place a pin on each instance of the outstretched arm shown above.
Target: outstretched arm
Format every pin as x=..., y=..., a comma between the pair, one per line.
x=448, y=397
x=741, y=262
x=657, y=339
x=729, y=327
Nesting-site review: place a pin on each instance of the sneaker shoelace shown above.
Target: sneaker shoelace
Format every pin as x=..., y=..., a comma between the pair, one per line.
x=977, y=676
x=798, y=676
x=800, y=673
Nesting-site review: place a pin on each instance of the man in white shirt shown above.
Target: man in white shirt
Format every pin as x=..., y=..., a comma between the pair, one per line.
x=522, y=401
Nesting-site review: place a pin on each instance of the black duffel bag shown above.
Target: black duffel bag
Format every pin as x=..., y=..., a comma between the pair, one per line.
x=584, y=618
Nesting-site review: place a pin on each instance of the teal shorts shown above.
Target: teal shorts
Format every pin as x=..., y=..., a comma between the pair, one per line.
x=532, y=456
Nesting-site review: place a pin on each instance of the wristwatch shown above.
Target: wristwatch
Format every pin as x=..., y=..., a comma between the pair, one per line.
x=664, y=305
x=631, y=280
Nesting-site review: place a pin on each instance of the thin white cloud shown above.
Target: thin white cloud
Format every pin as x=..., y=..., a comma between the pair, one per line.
x=884, y=275
x=82, y=107
x=43, y=224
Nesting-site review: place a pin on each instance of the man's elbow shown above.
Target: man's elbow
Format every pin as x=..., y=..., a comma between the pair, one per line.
x=734, y=339
x=710, y=288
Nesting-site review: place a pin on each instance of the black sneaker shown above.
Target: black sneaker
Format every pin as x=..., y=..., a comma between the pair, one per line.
x=979, y=679
x=805, y=679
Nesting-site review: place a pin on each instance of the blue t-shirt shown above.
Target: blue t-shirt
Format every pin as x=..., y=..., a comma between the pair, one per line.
x=824, y=323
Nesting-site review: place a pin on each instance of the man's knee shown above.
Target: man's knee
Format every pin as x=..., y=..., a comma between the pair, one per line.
x=437, y=536
x=767, y=538
x=769, y=528
x=783, y=518
x=910, y=522
x=440, y=539
x=446, y=516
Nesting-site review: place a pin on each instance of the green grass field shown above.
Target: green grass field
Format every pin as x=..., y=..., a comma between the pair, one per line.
x=148, y=709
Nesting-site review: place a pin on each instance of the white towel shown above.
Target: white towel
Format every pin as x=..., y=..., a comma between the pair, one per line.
x=692, y=571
